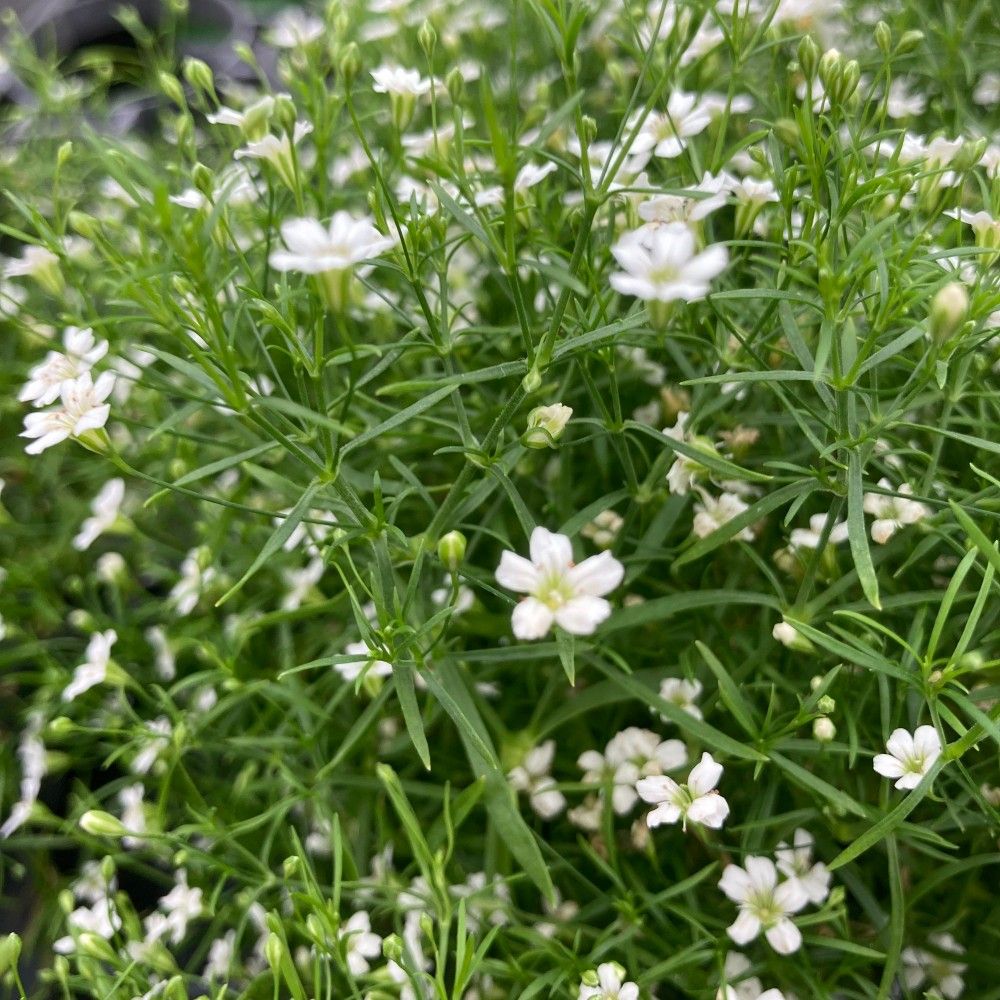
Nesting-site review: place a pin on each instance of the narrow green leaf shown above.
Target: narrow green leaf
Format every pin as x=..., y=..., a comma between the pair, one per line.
x=281, y=535
x=730, y=693
x=857, y=532
x=398, y=419
x=403, y=678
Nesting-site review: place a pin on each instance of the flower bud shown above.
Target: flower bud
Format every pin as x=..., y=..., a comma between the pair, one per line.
x=455, y=83
x=274, y=951
x=350, y=64
x=392, y=948
x=10, y=951
x=824, y=730
x=427, y=37
x=101, y=824
x=546, y=425
x=949, y=308
x=808, y=55
x=291, y=865
x=86, y=225
x=95, y=946
x=883, y=38
x=826, y=704
x=829, y=68
x=451, y=549
x=199, y=75
x=909, y=41
x=171, y=86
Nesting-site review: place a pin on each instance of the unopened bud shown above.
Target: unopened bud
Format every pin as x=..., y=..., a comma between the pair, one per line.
x=883, y=38
x=350, y=64
x=274, y=951
x=451, y=549
x=96, y=947
x=546, y=425
x=824, y=730
x=63, y=154
x=101, y=824
x=427, y=37
x=949, y=308
x=392, y=948
x=826, y=704
x=198, y=73
x=455, y=83
x=808, y=55
x=291, y=865
x=829, y=68
x=10, y=951
x=909, y=41
x=171, y=86
x=85, y=225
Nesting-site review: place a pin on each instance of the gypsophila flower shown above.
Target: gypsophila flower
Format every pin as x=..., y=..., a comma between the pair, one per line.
x=32, y=757
x=664, y=134
x=366, y=663
x=682, y=693
x=660, y=264
x=154, y=740
x=607, y=984
x=80, y=353
x=910, y=756
x=630, y=755
x=796, y=864
x=533, y=777
x=278, y=151
x=94, y=669
x=83, y=410
x=362, y=944
x=559, y=591
x=892, y=512
x=764, y=904
x=739, y=986
x=809, y=538
x=921, y=966
x=604, y=529
x=294, y=29
x=300, y=582
x=712, y=513
x=697, y=801
x=105, y=513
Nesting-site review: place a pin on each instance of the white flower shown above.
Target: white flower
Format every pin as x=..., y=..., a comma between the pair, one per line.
x=130, y=798
x=94, y=669
x=630, y=755
x=754, y=193
x=532, y=776
x=164, y=657
x=104, y=509
x=34, y=259
x=697, y=801
x=664, y=134
x=294, y=29
x=193, y=582
x=527, y=177
x=257, y=113
x=362, y=943
x=46, y=380
x=795, y=863
x=910, y=756
x=277, y=150
x=664, y=208
x=315, y=249
x=987, y=92
x=901, y=102
x=400, y=81
x=785, y=634
x=741, y=987
x=300, y=582
x=660, y=264
x=155, y=740
x=220, y=956
x=464, y=597
x=351, y=670
x=809, y=538
x=180, y=906
x=681, y=693
x=920, y=965
x=892, y=512
x=711, y=514
x=83, y=409
x=609, y=985
x=604, y=529
x=101, y=919
x=559, y=592
x=31, y=754
x=764, y=905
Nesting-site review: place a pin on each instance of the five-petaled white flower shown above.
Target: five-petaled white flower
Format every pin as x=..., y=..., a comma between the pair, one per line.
x=533, y=776
x=920, y=965
x=94, y=669
x=892, y=513
x=711, y=513
x=660, y=264
x=682, y=693
x=399, y=80
x=104, y=512
x=294, y=29
x=608, y=985
x=664, y=134
x=83, y=408
x=559, y=592
x=764, y=904
x=366, y=663
x=314, y=248
x=362, y=942
x=809, y=538
x=46, y=379
x=910, y=756
x=697, y=800
x=739, y=986
x=796, y=864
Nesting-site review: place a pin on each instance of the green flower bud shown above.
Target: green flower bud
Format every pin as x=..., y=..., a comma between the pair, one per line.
x=85, y=225
x=427, y=37
x=455, y=83
x=392, y=948
x=350, y=64
x=199, y=75
x=948, y=311
x=101, y=824
x=10, y=951
x=909, y=41
x=96, y=947
x=808, y=55
x=826, y=704
x=451, y=549
x=829, y=68
x=291, y=866
x=883, y=38
x=171, y=86
x=274, y=951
